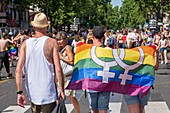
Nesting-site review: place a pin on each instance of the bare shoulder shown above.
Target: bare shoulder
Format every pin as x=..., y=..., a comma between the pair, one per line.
x=51, y=42
x=49, y=47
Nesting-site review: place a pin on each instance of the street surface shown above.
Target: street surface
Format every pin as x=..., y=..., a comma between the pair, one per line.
x=159, y=101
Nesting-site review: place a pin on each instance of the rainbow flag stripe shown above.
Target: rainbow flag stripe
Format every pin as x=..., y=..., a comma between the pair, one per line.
x=125, y=71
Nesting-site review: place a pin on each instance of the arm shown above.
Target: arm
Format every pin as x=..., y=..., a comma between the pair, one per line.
x=59, y=74
x=10, y=41
x=17, y=37
x=18, y=73
x=70, y=58
x=156, y=60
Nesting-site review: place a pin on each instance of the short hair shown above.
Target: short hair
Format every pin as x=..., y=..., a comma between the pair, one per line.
x=61, y=35
x=98, y=32
x=26, y=31
x=4, y=34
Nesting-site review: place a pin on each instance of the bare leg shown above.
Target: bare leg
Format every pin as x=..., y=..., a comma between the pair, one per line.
x=94, y=111
x=102, y=111
x=165, y=56
x=75, y=103
x=134, y=108
x=162, y=57
x=11, y=62
x=141, y=107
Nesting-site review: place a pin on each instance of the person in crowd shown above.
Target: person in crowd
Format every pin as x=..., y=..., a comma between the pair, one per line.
x=124, y=39
x=66, y=55
x=156, y=40
x=119, y=38
x=76, y=41
x=4, y=43
x=12, y=50
x=163, y=49
x=39, y=56
x=98, y=101
x=89, y=39
x=21, y=37
x=137, y=103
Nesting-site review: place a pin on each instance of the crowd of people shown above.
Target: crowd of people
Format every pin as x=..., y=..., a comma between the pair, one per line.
x=41, y=55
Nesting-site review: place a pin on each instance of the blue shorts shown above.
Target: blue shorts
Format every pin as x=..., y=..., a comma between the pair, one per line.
x=98, y=100
x=162, y=49
x=137, y=99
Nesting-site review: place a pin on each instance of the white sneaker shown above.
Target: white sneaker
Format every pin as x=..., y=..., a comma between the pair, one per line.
x=166, y=62
x=162, y=62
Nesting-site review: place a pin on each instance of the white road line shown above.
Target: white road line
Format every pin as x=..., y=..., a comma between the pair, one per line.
x=157, y=107
x=70, y=106
x=114, y=107
x=115, y=103
x=16, y=109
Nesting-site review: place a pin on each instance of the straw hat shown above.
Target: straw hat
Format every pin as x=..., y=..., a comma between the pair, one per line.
x=40, y=21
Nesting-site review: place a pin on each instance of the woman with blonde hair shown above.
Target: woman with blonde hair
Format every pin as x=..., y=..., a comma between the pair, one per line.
x=66, y=55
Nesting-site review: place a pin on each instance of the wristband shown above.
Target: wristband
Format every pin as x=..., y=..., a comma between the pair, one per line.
x=19, y=92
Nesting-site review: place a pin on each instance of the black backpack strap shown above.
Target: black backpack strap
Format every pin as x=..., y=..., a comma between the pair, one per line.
x=152, y=87
x=85, y=94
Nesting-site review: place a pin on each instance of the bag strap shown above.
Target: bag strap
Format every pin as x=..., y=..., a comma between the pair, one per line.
x=63, y=49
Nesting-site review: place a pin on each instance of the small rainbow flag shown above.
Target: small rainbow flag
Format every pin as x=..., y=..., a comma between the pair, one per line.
x=125, y=71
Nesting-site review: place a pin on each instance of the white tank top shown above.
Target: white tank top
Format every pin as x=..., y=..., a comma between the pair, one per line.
x=39, y=73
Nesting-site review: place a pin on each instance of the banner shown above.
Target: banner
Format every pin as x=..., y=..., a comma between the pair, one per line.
x=125, y=71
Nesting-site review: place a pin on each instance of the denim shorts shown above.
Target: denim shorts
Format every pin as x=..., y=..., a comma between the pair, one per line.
x=137, y=99
x=162, y=49
x=98, y=100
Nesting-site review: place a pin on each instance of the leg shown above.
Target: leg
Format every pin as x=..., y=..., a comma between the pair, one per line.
x=134, y=108
x=162, y=60
x=102, y=111
x=35, y=108
x=93, y=101
x=94, y=111
x=75, y=103
x=103, y=102
x=6, y=63
x=141, y=108
x=1, y=63
x=165, y=56
x=12, y=59
x=48, y=108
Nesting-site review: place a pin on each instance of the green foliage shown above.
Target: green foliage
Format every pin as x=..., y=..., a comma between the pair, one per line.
x=98, y=12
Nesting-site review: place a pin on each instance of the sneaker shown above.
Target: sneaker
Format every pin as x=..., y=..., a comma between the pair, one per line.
x=9, y=75
x=166, y=62
x=162, y=62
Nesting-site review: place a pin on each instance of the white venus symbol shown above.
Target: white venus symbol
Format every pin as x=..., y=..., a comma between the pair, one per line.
x=118, y=61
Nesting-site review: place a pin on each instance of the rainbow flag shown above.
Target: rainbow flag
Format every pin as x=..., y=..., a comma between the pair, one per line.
x=125, y=71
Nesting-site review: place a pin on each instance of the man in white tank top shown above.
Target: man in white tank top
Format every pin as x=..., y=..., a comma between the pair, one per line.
x=40, y=59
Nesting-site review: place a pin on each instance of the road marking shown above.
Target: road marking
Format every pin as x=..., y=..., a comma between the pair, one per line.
x=157, y=107
x=16, y=109
x=114, y=107
x=3, y=81
x=70, y=106
x=115, y=103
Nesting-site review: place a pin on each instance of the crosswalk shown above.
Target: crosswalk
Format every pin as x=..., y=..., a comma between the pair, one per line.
x=115, y=106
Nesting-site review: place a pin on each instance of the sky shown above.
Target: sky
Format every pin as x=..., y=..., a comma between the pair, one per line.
x=116, y=3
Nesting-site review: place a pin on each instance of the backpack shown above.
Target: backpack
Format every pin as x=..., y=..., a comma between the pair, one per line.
x=110, y=41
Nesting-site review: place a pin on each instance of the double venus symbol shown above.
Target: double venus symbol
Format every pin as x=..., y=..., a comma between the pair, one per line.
x=118, y=61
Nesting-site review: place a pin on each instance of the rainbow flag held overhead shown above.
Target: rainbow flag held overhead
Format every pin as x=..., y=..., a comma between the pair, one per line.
x=125, y=71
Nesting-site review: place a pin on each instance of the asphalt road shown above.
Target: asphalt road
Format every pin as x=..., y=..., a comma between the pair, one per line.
x=159, y=100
